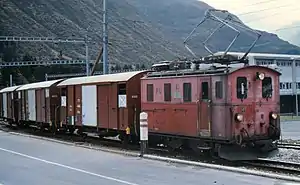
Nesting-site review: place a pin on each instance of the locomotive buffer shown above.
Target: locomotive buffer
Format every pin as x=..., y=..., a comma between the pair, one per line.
x=143, y=132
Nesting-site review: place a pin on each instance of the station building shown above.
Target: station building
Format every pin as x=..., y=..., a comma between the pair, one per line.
x=285, y=65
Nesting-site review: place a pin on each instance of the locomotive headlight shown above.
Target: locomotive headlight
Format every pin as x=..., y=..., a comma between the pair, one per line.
x=274, y=115
x=239, y=117
x=260, y=76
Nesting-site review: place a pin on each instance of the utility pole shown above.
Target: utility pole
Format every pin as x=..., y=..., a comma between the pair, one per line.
x=46, y=76
x=294, y=78
x=87, y=56
x=105, y=39
x=11, y=80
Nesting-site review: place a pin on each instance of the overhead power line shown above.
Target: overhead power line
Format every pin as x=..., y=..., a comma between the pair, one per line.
x=266, y=9
x=262, y=2
x=267, y=16
x=287, y=28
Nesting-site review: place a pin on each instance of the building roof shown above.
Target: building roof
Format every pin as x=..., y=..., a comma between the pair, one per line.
x=9, y=89
x=117, y=77
x=264, y=55
x=38, y=85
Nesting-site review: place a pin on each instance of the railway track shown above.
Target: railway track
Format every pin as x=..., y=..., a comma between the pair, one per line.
x=90, y=141
x=276, y=166
x=289, y=146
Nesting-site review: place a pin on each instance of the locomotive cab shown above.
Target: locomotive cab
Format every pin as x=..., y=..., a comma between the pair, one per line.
x=254, y=109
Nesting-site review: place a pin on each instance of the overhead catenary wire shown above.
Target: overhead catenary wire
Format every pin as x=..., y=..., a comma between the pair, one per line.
x=266, y=9
x=267, y=16
x=287, y=28
x=261, y=2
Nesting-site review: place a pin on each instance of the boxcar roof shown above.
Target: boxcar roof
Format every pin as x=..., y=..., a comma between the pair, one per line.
x=117, y=77
x=9, y=89
x=38, y=85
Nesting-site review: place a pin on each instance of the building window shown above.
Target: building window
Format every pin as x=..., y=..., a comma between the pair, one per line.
x=267, y=90
x=280, y=86
x=150, y=92
x=187, y=92
x=298, y=85
x=167, y=92
x=241, y=87
x=219, y=89
x=283, y=86
x=204, y=87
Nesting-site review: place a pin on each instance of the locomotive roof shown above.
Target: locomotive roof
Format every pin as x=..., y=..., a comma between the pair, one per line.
x=219, y=70
x=9, y=89
x=117, y=77
x=38, y=85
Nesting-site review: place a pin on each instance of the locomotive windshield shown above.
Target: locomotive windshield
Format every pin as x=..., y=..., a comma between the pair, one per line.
x=267, y=87
x=241, y=87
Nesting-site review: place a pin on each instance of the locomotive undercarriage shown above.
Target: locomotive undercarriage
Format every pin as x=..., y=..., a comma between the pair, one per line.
x=224, y=149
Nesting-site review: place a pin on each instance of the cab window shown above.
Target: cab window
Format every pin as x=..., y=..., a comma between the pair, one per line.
x=187, y=92
x=241, y=88
x=219, y=89
x=204, y=87
x=150, y=93
x=167, y=92
x=267, y=90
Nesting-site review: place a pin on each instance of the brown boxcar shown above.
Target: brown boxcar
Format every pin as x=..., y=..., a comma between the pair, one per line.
x=9, y=104
x=106, y=104
x=40, y=103
x=214, y=105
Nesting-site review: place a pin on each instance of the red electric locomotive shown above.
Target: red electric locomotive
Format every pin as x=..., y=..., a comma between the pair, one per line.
x=230, y=110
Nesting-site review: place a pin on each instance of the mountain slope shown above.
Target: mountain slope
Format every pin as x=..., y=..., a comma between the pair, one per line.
x=177, y=18
x=130, y=41
x=140, y=31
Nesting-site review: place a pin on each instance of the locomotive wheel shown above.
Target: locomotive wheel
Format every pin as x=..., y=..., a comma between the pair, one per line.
x=71, y=131
x=173, y=144
x=199, y=148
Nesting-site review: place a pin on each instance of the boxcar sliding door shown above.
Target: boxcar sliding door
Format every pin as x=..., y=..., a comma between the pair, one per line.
x=89, y=105
x=4, y=104
x=103, y=108
x=31, y=105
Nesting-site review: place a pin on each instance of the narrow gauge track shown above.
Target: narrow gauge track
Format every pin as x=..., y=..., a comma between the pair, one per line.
x=96, y=142
x=275, y=166
x=289, y=146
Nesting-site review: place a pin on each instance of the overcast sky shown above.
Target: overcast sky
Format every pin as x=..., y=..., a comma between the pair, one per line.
x=280, y=14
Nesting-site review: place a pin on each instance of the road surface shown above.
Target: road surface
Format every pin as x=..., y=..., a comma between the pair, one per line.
x=28, y=161
x=290, y=130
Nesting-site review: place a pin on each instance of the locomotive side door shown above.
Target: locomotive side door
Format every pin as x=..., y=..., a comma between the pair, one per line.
x=204, y=107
